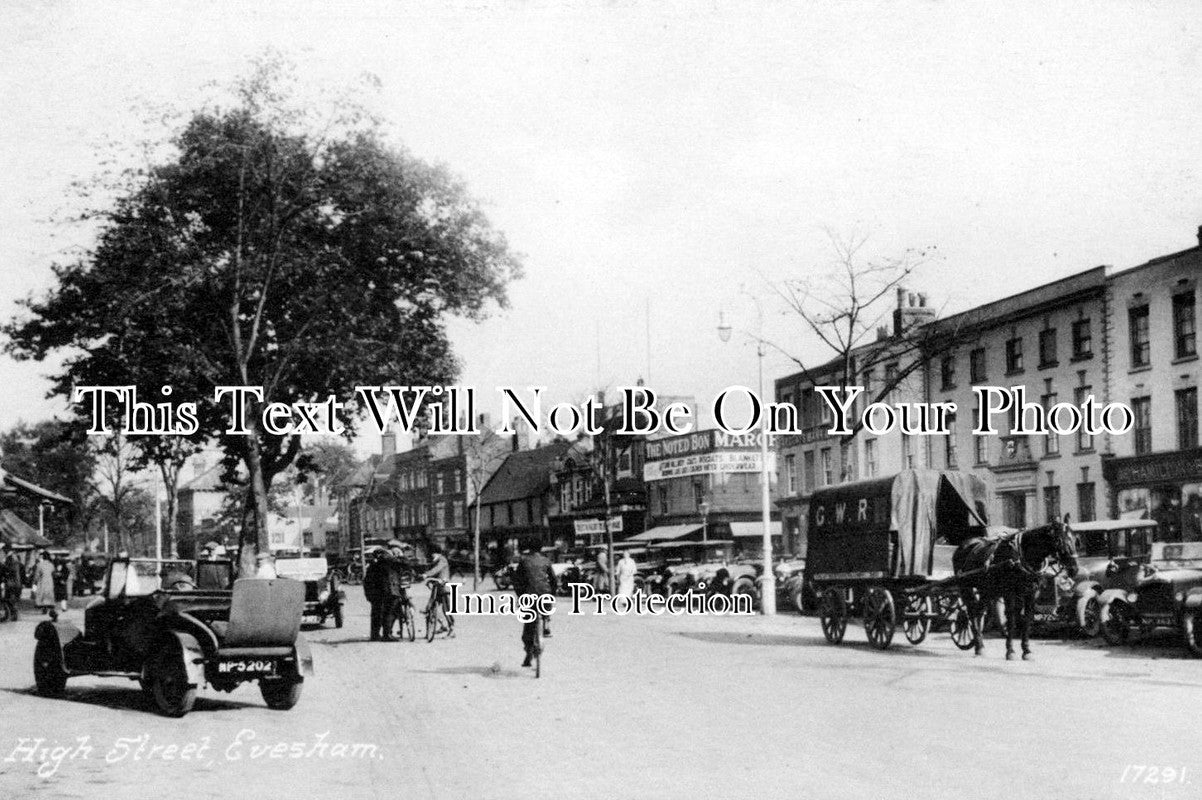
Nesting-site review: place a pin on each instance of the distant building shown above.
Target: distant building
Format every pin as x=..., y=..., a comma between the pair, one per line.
x=521, y=497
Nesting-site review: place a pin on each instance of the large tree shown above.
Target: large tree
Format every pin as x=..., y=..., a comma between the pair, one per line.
x=268, y=249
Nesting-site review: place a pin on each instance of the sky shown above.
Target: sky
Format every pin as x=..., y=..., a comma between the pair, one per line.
x=656, y=163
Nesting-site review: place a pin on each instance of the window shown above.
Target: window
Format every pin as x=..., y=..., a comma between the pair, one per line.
x=807, y=462
x=890, y=382
x=458, y=514
x=663, y=499
x=790, y=473
x=1014, y=356
x=1047, y=348
x=1187, y=418
x=1082, y=339
x=1141, y=407
x=976, y=365
x=949, y=443
x=844, y=463
x=458, y=479
x=1141, y=345
x=907, y=448
x=1084, y=440
x=870, y=458
x=438, y=483
x=947, y=373
x=1051, y=503
x=827, y=471
x=867, y=378
x=1051, y=442
x=1185, y=325
x=1085, y=502
x=981, y=449
x=698, y=495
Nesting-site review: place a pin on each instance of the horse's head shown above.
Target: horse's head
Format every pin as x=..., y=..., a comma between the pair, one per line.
x=1064, y=547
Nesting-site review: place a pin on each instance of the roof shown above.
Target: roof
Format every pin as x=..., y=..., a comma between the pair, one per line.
x=15, y=531
x=1030, y=301
x=524, y=473
x=11, y=483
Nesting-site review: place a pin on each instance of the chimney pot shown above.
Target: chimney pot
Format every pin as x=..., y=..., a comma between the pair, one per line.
x=901, y=298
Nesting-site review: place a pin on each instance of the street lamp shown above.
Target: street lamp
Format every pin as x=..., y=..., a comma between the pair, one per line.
x=704, y=508
x=768, y=580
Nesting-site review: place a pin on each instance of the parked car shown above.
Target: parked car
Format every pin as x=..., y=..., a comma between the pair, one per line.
x=1165, y=596
x=90, y=569
x=324, y=596
x=1111, y=555
x=156, y=623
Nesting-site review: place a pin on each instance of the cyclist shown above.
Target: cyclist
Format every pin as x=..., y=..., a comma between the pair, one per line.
x=440, y=570
x=533, y=576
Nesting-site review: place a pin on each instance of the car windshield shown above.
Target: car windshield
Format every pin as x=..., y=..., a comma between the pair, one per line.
x=1092, y=543
x=140, y=578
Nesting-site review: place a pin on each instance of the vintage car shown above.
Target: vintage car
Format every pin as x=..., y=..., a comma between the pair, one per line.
x=90, y=569
x=168, y=625
x=1167, y=594
x=700, y=566
x=791, y=586
x=323, y=594
x=1110, y=557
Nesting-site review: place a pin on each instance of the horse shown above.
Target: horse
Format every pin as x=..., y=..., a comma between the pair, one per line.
x=1008, y=568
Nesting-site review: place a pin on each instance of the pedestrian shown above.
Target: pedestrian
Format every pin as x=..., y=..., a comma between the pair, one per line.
x=398, y=580
x=62, y=577
x=626, y=570
x=375, y=588
x=533, y=576
x=14, y=576
x=265, y=566
x=43, y=583
x=601, y=571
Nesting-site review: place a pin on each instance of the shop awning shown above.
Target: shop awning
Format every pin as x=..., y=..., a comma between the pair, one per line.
x=738, y=529
x=665, y=533
x=11, y=483
x=17, y=532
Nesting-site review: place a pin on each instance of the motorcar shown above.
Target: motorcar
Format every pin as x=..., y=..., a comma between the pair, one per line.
x=324, y=596
x=1166, y=595
x=89, y=573
x=158, y=622
x=1110, y=557
x=792, y=587
x=696, y=566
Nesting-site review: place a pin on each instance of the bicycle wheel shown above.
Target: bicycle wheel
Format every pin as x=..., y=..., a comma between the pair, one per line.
x=408, y=626
x=431, y=622
x=538, y=648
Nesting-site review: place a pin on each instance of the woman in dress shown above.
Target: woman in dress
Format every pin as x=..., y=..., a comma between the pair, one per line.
x=626, y=570
x=43, y=583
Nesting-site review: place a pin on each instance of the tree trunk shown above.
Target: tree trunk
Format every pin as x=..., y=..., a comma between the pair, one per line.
x=255, y=541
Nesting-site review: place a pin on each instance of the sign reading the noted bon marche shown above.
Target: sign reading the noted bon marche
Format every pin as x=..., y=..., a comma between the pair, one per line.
x=706, y=464
x=701, y=442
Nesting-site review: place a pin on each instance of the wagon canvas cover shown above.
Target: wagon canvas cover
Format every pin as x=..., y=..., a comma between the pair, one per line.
x=853, y=527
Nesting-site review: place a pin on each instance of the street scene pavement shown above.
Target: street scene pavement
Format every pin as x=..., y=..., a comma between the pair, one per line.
x=628, y=707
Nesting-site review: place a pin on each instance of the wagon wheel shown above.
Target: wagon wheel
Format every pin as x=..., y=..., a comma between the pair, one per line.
x=832, y=612
x=880, y=617
x=962, y=635
x=916, y=618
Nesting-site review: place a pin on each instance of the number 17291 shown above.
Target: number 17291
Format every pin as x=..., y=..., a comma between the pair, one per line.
x=1148, y=773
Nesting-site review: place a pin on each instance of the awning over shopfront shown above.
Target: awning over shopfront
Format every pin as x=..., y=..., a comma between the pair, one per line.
x=738, y=529
x=665, y=533
x=10, y=483
x=16, y=532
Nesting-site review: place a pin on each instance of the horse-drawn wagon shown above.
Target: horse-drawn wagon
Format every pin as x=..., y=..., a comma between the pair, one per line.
x=915, y=549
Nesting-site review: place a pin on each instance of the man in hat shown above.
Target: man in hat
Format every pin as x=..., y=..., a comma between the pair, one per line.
x=533, y=576
x=397, y=598
x=376, y=589
x=14, y=576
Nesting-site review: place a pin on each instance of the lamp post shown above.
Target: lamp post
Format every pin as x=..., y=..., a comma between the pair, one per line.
x=704, y=508
x=768, y=579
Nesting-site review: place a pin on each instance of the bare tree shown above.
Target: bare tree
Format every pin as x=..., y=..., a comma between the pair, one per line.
x=850, y=310
x=483, y=455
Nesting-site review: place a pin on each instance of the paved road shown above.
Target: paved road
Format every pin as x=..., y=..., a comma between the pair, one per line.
x=631, y=707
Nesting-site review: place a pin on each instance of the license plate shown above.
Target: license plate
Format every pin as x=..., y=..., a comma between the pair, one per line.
x=248, y=666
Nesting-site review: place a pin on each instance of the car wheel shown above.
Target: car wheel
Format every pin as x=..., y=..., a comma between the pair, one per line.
x=338, y=615
x=1116, y=622
x=747, y=586
x=48, y=672
x=1089, y=615
x=1191, y=629
x=280, y=694
x=173, y=695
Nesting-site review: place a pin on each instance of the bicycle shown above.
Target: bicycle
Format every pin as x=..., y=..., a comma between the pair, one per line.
x=438, y=603
x=406, y=618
